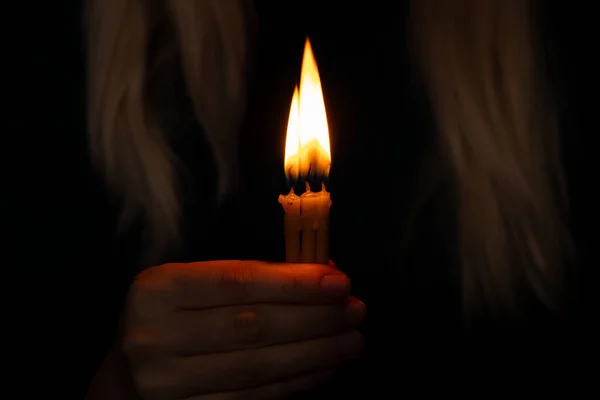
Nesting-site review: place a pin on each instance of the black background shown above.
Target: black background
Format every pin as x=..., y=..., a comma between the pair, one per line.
x=66, y=302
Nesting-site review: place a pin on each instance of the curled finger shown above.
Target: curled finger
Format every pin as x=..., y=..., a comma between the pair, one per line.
x=247, y=369
x=257, y=325
x=228, y=283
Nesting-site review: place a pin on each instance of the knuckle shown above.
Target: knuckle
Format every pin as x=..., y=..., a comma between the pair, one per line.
x=169, y=284
x=250, y=327
x=137, y=344
x=175, y=283
x=152, y=277
x=156, y=283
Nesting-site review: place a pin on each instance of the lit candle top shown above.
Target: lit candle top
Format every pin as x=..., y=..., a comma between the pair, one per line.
x=307, y=148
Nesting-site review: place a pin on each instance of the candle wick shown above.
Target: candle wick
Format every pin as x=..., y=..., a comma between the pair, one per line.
x=307, y=186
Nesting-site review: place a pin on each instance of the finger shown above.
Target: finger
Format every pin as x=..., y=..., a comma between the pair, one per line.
x=242, y=327
x=273, y=391
x=255, y=367
x=226, y=283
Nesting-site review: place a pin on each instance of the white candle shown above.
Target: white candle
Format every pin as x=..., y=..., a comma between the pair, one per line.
x=322, y=229
x=310, y=222
x=292, y=224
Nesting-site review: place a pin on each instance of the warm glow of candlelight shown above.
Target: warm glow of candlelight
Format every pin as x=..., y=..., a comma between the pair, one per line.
x=307, y=149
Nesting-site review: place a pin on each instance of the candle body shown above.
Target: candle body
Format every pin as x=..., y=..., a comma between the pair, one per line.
x=292, y=225
x=322, y=236
x=307, y=216
x=310, y=212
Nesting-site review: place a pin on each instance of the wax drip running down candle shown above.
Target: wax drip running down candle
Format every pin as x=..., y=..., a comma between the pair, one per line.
x=308, y=157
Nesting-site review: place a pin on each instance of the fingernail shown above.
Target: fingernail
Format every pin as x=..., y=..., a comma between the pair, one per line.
x=356, y=312
x=336, y=285
x=350, y=344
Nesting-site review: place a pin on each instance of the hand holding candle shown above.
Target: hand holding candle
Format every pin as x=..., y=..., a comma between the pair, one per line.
x=237, y=329
x=308, y=157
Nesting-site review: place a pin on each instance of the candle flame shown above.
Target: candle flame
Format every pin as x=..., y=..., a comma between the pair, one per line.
x=307, y=148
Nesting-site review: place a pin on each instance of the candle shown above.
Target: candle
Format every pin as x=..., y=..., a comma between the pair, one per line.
x=322, y=238
x=292, y=224
x=309, y=203
x=308, y=158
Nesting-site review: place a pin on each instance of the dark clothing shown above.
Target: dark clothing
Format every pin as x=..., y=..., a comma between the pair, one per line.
x=380, y=128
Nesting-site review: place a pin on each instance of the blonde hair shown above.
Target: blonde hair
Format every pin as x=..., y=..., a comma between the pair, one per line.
x=483, y=68
x=125, y=137
x=483, y=73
